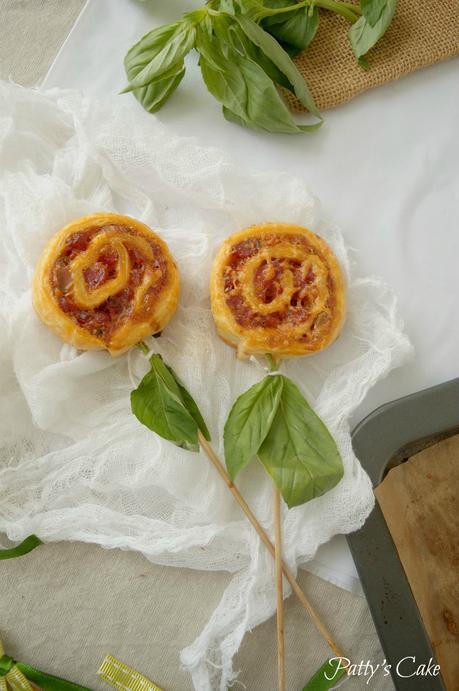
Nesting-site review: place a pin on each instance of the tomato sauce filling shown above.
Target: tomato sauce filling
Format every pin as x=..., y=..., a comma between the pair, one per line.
x=104, y=319
x=268, y=285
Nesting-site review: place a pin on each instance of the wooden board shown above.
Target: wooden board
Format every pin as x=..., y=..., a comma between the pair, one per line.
x=420, y=503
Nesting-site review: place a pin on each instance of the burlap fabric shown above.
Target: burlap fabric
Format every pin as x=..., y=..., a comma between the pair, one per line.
x=422, y=32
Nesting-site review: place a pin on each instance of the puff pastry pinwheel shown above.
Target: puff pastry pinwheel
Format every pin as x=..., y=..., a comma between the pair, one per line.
x=105, y=281
x=277, y=288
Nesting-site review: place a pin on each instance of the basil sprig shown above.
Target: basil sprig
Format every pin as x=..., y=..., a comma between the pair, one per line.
x=162, y=403
x=274, y=421
x=239, y=61
x=245, y=49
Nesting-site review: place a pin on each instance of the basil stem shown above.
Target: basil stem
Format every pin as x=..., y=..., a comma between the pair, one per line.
x=24, y=547
x=346, y=10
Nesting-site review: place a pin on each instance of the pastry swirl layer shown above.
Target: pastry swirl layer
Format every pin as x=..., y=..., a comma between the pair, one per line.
x=106, y=281
x=277, y=288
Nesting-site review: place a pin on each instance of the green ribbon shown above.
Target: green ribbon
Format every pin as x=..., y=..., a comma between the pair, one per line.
x=24, y=547
x=326, y=677
x=46, y=682
x=6, y=663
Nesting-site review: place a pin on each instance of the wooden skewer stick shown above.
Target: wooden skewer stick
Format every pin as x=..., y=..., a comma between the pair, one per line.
x=279, y=589
x=208, y=450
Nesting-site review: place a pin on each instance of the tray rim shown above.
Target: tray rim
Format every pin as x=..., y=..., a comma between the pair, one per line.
x=381, y=441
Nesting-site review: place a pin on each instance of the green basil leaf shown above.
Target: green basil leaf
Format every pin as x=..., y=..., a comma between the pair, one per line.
x=159, y=54
x=190, y=405
x=24, y=547
x=237, y=120
x=157, y=403
x=148, y=47
x=281, y=59
x=243, y=88
x=232, y=117
x=326, y=677
x=226, y=84
x=249, y=422
x=372, y=9
x=269, y=67
x=364, y=36
x=299, y=452
x=294, y=30
x=222, y=78
x=264, y=106
x=153, y=96
x=248, y=48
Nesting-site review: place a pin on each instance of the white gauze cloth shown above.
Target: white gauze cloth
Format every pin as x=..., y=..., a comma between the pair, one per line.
x=75, y=464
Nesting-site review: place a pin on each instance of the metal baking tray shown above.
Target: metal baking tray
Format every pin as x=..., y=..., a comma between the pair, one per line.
x=384, y=439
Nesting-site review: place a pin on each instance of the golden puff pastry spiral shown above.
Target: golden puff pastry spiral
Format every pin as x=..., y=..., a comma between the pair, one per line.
x=277, y=288
x=105, y=281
